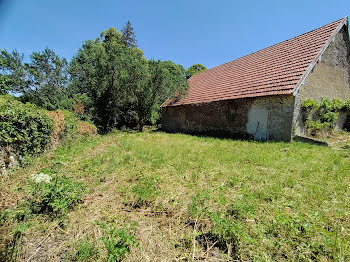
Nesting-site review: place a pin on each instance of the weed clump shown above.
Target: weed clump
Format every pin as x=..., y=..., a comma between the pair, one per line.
x=86, y=251
x=54, y=194
x=145, y=191
x=117, y=241
x=223, y=229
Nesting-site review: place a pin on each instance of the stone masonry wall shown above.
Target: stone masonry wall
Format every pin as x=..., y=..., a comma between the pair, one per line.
x=230, y=117
x=329, y=78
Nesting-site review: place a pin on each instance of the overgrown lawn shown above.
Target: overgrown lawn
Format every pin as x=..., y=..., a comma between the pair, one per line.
x=173, y=197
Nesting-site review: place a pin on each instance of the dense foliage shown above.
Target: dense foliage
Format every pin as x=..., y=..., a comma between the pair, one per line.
x=125, y=89
x=108, y=81
x=195, y=69
x=323, y=115
x=24, y=127
x=42, y=81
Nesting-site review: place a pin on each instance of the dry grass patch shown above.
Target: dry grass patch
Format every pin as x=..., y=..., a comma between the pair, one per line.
x=84, y=128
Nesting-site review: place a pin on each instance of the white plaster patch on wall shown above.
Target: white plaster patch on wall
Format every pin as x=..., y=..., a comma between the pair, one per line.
x=257, y=123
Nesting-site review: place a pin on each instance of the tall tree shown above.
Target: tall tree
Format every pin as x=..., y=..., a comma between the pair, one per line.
x=42, y=81
x=13, y=75
x=111, y=74
x=129, y=35
x=166, y=79
x=47, y=78
x=125, y=88
x=195, y=69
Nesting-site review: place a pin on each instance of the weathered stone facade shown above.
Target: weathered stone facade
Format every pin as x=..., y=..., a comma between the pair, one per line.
x=233, y=118
x=329, y=78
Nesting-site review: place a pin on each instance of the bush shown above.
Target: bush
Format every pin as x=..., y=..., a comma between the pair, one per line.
x=23, y=127
x=310, y=104
x=54, y=194
x=324, y=115
x=26, y=129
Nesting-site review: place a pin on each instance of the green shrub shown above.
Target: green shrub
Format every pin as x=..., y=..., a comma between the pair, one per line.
x=316, y=125
x=310, y=104
x=55, y=195
x=24, y=127
x=117, y=241
x=323, y=115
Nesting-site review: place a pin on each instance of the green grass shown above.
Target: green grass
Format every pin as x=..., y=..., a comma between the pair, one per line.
x=198, y=198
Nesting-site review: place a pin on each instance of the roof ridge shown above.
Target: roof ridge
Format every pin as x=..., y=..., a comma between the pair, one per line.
x=270, y=46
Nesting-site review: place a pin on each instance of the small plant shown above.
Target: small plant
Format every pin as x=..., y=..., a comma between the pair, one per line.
x=55, y=195
x=117, y=241
x=310, y=104
x=85, y=251
x=71, y=123
x=199, y=204
x=145, y=191
x=227, y=230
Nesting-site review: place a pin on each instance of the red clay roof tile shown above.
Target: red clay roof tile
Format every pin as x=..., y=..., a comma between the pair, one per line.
x=274, y=70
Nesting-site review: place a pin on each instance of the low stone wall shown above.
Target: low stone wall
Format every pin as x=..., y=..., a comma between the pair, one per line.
x=8, y=159
x=234, y=118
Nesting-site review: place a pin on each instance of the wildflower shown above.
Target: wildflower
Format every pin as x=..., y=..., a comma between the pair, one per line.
x=41, y=177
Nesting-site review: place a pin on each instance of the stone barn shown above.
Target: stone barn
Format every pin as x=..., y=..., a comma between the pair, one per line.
x=259, y=95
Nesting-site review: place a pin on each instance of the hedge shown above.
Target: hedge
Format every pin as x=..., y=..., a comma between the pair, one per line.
x=23, y=127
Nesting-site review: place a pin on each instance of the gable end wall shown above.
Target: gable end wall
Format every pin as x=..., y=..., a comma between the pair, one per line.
x=330, y=77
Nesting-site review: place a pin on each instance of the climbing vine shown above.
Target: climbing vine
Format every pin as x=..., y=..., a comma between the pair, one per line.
x=323, y=115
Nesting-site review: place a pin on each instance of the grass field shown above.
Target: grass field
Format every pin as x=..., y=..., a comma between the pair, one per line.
x=173, y=197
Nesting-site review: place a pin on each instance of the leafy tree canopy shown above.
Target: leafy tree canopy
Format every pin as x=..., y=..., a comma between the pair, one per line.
x=13, y=76
x=125, y=88
x=195, y=69
x=47, y=78
x=42, y=81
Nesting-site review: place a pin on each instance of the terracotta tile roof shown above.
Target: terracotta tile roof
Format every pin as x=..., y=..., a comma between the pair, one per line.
x=274, y=70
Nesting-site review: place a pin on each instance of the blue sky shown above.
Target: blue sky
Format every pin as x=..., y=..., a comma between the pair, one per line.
x=186, y=32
